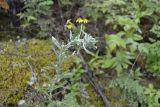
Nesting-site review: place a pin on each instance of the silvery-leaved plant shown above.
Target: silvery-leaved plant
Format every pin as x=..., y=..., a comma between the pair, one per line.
x=83, y=41
x=86, y=42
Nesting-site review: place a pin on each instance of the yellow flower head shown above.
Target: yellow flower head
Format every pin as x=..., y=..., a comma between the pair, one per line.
x=85, y=20
x=80, y=20
x=68, y=21
x=69, y=25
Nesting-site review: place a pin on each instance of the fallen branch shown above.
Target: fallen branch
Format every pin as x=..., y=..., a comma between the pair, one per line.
x=94, y=83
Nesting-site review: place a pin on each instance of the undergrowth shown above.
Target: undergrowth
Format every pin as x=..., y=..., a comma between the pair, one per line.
x=15, y=71
x=128, y=32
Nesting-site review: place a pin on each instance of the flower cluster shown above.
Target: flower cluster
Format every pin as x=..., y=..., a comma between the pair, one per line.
x=69, y=25
x=82, y=21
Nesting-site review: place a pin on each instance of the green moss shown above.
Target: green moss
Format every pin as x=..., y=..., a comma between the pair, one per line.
x=113, y=95
x=116, y=97
x=15, y=72
x=94, y=98
x=13, y=78
x=7, y=35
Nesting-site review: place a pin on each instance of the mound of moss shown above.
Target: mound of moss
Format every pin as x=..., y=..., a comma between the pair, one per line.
x=18, y=61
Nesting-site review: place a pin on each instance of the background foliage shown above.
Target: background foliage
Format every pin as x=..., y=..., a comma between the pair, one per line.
x=125, y=65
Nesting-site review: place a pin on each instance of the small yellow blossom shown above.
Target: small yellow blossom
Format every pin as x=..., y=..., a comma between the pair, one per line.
x=80, y=20
x=68, y=21
x=69, y=25
x=85, y=20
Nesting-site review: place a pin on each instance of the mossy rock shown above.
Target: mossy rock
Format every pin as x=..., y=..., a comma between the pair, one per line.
x=15, y=72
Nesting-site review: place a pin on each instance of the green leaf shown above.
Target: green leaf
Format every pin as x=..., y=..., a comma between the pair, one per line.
x=119, y=69
x=46, y=3
x=107, y=63
x=142, y=48
x=114, y=41
x=137, y=37
x=31, y=18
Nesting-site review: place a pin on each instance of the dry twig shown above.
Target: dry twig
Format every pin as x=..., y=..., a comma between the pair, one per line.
x=94, y=83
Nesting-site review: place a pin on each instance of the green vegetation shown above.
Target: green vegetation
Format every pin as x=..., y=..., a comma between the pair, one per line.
x=92, y=53
x=16, y=71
